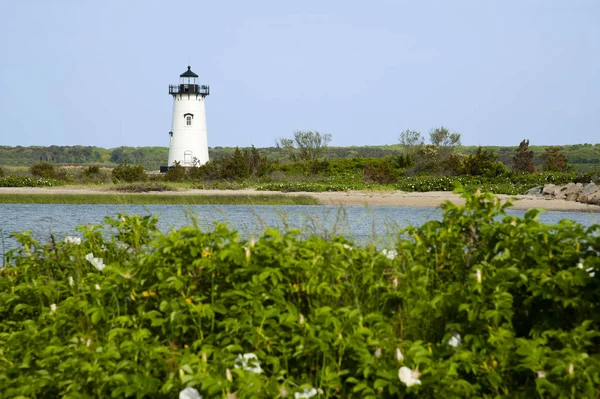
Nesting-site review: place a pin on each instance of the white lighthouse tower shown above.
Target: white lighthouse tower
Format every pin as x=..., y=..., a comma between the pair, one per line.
x=188, y=137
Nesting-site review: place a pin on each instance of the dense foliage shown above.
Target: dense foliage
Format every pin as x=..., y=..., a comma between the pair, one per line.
x=240, y=164
x=479, y=304
x=26, y=181
x=554, y=160
x=522, y=162
x=46, y=170
x=129, y=173
x=583, y=157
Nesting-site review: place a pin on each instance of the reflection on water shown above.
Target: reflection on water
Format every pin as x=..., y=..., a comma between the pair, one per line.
x=359, y=223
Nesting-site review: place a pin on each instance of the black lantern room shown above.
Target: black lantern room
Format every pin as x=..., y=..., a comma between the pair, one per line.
x=188, y=84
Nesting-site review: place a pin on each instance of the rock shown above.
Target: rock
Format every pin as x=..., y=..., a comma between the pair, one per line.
x=590, y=188
x=549, y=189
x=594, y=198
x=537, y=190
x=559, y=192
x=573, y=188
x=583, y=198
x=571, y=196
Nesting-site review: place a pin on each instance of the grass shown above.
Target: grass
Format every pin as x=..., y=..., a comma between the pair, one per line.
x=266, y=199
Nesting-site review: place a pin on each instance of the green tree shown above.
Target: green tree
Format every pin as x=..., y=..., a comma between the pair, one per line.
x=117, y=155
x=410, y=139
x=305, y=146
x=523, y=159
x=443, y=138
x=482, y=163
x=554, y=160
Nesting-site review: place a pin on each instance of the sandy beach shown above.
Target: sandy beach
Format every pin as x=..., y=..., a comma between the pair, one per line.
x=369, y=198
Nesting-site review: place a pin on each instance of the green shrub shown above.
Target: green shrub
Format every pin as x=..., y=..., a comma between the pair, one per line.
x=175, y=173
x=46, y=170
x=383, y=173
x=26, y=181
x=91, y=171
x=479, y=304
x=2, y=173
x=241, y=164
x=129, y=173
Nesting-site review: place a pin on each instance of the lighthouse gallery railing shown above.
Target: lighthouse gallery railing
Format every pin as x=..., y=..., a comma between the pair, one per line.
x=189, y=89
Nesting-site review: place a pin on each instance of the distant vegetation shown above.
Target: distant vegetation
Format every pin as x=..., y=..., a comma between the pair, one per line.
x=581, y=157
x=306, y=162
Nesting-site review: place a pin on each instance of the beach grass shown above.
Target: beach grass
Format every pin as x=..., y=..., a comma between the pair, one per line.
x=166, y=199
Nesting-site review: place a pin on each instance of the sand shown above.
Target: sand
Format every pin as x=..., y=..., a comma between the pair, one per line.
x=370, y=198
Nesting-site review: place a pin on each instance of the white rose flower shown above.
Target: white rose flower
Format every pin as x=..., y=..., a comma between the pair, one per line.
x=248, y=362
x=408, y=376
x=96, y=262
x=73, y=240
x=455, y=340
x=541, y=374
x=306, y=393
x=390, y=254
x=190, y=393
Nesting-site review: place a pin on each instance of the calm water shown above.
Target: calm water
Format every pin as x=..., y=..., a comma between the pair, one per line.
x=360, y=223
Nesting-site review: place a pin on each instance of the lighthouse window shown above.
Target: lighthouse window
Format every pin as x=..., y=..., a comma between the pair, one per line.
x=188, y=120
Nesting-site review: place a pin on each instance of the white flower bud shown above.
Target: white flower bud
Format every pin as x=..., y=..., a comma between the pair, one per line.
x=399, y=355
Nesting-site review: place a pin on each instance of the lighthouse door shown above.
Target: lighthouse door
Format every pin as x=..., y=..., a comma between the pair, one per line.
x=187, y=157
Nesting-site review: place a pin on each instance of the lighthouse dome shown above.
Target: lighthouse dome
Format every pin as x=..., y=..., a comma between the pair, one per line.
x=188, y=73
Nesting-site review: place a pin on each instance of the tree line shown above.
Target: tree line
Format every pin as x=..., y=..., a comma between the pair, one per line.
x=581, y=157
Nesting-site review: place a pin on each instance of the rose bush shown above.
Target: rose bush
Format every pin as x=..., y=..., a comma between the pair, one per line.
x=479, y=304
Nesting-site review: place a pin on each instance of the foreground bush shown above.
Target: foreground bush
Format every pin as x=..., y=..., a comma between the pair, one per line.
x=480, y=304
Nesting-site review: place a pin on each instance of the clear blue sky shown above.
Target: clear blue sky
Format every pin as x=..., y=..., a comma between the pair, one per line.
x=97, y=72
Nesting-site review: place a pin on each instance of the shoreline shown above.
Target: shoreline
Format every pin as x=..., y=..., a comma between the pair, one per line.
x=432, y=199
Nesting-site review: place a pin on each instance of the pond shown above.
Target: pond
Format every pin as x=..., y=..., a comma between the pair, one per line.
x=359, y=223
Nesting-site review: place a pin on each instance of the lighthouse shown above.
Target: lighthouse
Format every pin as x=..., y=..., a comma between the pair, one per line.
x=188, y=138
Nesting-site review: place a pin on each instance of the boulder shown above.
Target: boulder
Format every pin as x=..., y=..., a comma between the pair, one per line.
x=571, y=196
x=549, y=189
x=590, y=188
x=537, y=190
x=573, y=188
x=594, y=198
x=559, y=192
x=583, y=198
